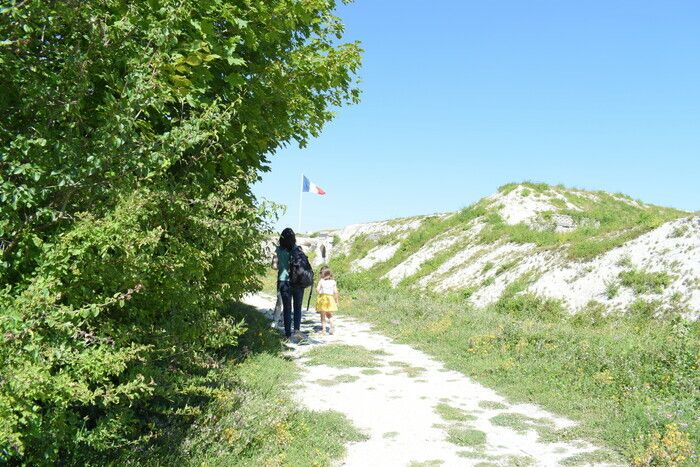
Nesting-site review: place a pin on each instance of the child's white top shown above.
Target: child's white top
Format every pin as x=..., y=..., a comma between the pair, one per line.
x=327, y=286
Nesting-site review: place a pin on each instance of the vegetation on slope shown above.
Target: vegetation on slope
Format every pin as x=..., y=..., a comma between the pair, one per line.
x=603, y=221
x=632, y=382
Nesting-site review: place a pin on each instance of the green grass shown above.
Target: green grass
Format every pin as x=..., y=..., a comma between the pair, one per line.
x=410, y=371
x=260, y=425
x=338, y=380
x=604, y=222
x=344, y=356
x=433, y=263
x=506, y=266
x=603, y=225
x=594, y=457
x=519, y=461
x=466, y=436
x=646, y=282
x=250, y=417
x=680, y=231
x=428, y=463
x=625, y=379
x=431, y=227
x=535, y=187
x=269, y=282
x=453, y=414
x=493, y=405
x=522, y=424
x=612, y=288
x=478, y=453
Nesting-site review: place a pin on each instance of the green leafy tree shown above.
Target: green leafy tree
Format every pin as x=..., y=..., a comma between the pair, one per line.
x=130, y=136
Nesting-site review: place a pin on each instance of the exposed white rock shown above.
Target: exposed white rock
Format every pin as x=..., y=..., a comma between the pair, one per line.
x=460, y=259
x=528, y=263
x=375, y=256
x=629, y=201
x=488, y=268
x=378, y=228
x=471, y=248
x=477, y=270
x=375, y=230
x=414, y=262
x=516, y=207
x=674, y=248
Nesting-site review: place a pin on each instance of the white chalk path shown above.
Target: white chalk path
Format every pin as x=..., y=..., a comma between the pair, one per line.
x=397, y=410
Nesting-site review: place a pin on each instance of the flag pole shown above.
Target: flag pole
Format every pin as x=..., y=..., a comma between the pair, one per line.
x=301, y=200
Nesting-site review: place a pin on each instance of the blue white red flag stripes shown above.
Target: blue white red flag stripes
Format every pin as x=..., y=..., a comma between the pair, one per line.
x=311, y=187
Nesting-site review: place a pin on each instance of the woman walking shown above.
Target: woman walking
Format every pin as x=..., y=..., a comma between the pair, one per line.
x=291, y=295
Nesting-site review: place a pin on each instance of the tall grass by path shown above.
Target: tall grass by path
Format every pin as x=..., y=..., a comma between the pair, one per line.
x=631, y=382
x=250, y=417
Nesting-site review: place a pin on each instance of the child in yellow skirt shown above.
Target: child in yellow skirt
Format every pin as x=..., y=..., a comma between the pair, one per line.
x=327, y=300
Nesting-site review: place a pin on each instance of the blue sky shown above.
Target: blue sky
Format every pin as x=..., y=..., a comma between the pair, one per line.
x=460, y=97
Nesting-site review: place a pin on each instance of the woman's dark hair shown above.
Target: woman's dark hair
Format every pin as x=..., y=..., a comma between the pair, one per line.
x=288, y=240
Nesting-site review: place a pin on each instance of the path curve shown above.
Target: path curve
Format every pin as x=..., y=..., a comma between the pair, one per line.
x=397, y=406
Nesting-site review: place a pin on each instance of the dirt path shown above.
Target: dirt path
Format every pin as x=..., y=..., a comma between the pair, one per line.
x=416, y=412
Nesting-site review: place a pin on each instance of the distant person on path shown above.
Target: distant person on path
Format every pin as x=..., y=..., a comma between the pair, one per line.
x=290, y=295
x=327, y=300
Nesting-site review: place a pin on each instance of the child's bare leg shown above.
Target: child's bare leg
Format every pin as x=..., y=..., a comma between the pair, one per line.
x=323, y=324
x=330, y=322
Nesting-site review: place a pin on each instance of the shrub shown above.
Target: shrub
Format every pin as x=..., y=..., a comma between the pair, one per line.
x=121, y=311
x=611, y=289
x=130, y=137
x=517, y=303
x=679, y=231
x=673, y=447
x=593, y=314
x=645, y=281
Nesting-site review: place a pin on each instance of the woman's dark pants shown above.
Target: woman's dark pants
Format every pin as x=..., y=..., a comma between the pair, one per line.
x=291, y=294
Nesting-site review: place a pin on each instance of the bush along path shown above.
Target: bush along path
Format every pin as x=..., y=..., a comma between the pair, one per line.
x=414, y=411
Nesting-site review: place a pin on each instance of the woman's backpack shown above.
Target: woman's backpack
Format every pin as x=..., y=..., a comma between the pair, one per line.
x=300, y=272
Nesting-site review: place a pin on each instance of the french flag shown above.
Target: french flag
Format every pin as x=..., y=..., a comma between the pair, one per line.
x=311, y=187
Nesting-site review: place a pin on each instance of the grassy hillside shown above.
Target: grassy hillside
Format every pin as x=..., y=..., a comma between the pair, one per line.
x=602, y=222
x=631, y=380
x=632, y=383
x=553, y=235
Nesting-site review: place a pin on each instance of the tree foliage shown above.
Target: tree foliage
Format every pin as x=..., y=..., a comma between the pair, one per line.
x=130, y=136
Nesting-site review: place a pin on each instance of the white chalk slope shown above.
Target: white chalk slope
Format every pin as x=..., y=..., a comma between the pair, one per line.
x=486, y=269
